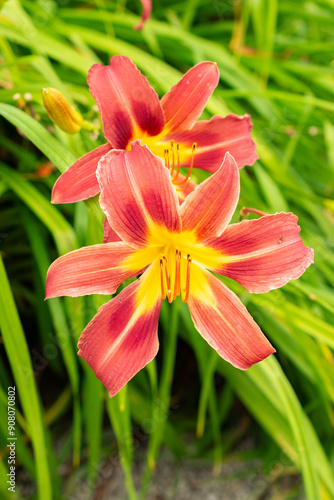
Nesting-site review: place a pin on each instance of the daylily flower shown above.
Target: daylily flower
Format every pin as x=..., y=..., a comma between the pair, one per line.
x=130, y=109
x=173, y=246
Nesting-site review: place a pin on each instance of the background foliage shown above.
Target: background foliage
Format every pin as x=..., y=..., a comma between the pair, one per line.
x=276, y=63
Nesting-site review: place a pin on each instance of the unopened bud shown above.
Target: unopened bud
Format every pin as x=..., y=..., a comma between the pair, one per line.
x=60, y=111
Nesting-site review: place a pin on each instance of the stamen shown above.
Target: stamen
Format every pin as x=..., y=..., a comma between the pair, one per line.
x=184, y=187
x=187, y=179
x=163, y=294
x=173, y=155
x=177, y=285
x=166, y=158
x=177, y=171
x=246, y=211
x=186, y=296
x=169, y=290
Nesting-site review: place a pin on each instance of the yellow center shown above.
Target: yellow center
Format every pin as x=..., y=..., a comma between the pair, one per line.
x=171, y=257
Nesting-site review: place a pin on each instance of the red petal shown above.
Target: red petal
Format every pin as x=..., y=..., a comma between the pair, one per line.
x=216, y=137
x=263, y=254
x=94, y=269
x=121, y=339
x=79, y=181
x=209, y=208
x=224, y=322
x=109, y=234
x=137, y=194
x=184, y=103
x=126, y=101
x=146, y=14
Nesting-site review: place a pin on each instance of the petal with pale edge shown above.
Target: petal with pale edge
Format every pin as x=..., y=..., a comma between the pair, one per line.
x=125, y=100
x=79, y=181
x=109, y=234
x=224, y=322
x=146, y=14
x=209, y=208
x=263, y=254
x=137, y=194
x=184, y=103
x=94, y=269
x=122, y=338
x=214, y=138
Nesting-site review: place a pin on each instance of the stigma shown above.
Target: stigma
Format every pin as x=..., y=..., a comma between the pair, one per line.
x=172, y=162
x=175, y=276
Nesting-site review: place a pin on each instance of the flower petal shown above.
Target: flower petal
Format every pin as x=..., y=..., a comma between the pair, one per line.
x=224, y=322
x=209, y=208
x=126, y=101
x=79, y=181
x=137, y=194
x=184, y=103
x=122, y=338
x=263, y=254
x=214, y=138
x=146, y=14
x=94, y=269
x=109, y=234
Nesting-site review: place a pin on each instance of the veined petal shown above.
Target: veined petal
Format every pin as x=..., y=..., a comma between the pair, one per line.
x=79, y=181
x=214, y=138
x=263, y=254
x=224, y=322
x=146, y=14
x=126, y=101
x=109, y=234
x=209, y=208
x=122, y=338
x=94, y=269
x=184, y=103
x=137, y=194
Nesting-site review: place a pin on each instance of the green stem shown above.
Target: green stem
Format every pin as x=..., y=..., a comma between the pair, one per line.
x=161, y=404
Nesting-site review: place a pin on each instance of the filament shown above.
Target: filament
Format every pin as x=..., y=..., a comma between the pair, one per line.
x=166, y=289
x=163, y=295
x=177, y=171
x=187, y=178
x=177, y=284
x=246, y=211
x=169, y=290
x=186, y=296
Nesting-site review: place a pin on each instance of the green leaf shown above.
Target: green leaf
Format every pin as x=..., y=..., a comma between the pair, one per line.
x=18, y=355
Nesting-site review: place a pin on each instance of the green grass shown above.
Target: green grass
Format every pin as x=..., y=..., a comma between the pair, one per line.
x=279, y=69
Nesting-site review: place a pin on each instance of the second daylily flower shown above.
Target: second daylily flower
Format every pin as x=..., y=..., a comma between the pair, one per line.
x=130, y=109
x=173, y=246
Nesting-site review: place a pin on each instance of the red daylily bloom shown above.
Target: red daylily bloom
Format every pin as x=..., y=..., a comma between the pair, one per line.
x=130, y=110
x=173, y=246
x=146, y=14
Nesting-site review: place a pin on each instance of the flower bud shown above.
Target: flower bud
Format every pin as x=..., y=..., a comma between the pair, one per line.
x=60, y=111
